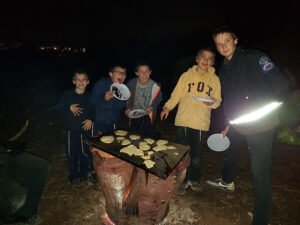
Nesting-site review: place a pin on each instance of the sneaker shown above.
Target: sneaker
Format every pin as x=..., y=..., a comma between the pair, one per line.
x=195, y=185
x=219, y=183
x=181, y=190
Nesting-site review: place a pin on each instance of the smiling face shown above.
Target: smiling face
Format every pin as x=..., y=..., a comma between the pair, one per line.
x=118, y=75
x=226, y=44
x=143, y=73
x=205, y=59
x=80, y=81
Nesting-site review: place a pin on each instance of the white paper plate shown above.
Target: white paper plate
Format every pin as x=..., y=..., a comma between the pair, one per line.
x=217, y=143
x=203, y=99
x=120, y=91
x=136, y=113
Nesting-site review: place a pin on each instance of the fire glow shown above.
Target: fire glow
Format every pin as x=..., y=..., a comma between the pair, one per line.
x=257, y=114
x=105, y=220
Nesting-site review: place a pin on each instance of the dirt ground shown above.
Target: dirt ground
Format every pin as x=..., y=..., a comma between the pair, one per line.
x=62, y=203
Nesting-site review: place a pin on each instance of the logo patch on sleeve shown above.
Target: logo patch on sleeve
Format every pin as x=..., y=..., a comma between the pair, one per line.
x=266, y=64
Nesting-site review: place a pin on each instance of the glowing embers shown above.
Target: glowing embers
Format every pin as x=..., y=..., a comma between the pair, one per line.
x=257, y=114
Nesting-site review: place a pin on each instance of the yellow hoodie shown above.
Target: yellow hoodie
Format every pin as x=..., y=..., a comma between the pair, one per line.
x=193, y=113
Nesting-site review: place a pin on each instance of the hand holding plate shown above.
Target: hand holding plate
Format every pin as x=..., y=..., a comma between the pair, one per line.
x=108, y=95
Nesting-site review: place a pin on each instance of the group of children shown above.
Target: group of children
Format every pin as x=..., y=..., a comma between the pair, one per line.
x=86, y=114
x=249, y=78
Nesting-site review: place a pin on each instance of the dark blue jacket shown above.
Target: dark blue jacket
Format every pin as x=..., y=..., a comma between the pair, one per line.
x=68, y=98
x=107, y=112
x=250, y=80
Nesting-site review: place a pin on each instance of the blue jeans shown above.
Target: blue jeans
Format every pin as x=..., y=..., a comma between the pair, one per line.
x=260, y=148
x=196, y=139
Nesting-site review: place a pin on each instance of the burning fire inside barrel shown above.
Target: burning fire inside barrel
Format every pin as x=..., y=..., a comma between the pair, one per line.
x=133, y=193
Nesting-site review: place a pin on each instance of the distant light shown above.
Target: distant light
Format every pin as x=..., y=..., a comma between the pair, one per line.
x=55, y=48
x=257, y=114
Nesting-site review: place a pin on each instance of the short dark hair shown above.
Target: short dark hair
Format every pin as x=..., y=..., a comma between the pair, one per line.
x=224, y=29
x=115, y=66
x=141, y=63
x=80, y=71
x=206, y=48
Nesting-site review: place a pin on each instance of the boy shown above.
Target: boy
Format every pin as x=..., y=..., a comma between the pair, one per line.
x=193, y=116
x=250, y=80
x=73, y=106
x=145, y=94
x=108, y=108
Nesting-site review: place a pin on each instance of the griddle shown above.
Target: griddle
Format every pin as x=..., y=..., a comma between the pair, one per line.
x=165, y=161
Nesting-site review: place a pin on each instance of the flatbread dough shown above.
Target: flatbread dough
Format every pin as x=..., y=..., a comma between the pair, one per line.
x=121, y=132
x=149, y=163
x=161, y=142
x=144, y=146
x=138, y=152
x=107, y=139
x=150, y=152
x=134, y=137
x=125, y=142
x=150, y=141
x=171, y=147
x=160, y=148
x=129, y=150
x=120, y=138
x=146, y=157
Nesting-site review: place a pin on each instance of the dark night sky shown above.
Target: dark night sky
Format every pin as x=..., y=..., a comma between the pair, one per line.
x=83, y=23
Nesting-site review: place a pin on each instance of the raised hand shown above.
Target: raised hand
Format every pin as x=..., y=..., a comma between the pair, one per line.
x=108, y=95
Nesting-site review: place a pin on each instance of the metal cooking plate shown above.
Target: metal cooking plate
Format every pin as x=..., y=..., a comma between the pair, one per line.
x=165, y=161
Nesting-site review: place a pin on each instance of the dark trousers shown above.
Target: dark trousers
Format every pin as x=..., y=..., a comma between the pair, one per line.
x=78, y=154
x=195, y=139
x=143, y=125
x=32, y=173
x=260, y=148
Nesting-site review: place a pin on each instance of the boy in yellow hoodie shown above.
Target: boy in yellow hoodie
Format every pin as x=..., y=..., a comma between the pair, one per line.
x=193, y=115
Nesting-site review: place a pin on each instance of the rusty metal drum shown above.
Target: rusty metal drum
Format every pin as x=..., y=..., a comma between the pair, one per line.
x=132, y=195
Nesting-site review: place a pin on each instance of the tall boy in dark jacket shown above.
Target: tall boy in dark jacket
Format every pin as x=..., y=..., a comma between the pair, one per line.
x=250, y=81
